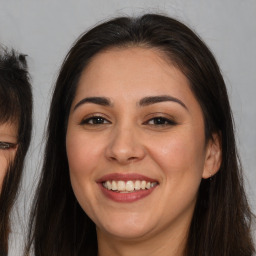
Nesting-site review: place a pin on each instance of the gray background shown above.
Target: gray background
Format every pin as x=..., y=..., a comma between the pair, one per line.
x=46, y=29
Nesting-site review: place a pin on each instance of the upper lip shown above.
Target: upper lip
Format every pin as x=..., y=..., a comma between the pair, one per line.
x=125, y=177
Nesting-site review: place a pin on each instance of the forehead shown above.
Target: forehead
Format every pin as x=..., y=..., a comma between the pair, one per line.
x=131, y=69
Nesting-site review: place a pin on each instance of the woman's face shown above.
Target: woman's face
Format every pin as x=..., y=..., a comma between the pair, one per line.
x=8, y=133
x=135, y=144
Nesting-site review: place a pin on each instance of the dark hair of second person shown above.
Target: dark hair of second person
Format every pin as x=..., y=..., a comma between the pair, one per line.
x=222, y=218
x=16, y=125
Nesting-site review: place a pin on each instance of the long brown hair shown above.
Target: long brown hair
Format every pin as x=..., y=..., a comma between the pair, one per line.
x=16, y=108
x=222, y=217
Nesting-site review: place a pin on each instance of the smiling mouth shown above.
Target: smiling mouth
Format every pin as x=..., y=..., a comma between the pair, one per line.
x=128, y=186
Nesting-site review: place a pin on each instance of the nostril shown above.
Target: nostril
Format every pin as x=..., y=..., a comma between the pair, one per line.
x=129, y=158
x=132, y=158
x=123, y=159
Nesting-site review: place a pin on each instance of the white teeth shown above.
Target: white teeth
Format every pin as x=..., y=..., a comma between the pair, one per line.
x=137, y=185
x=128, y=186
x=114, y=185
x=109, y=185
x=120, y=185
x=143, y=184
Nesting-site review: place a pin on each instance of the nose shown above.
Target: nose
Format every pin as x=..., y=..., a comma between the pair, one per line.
x=125, y=147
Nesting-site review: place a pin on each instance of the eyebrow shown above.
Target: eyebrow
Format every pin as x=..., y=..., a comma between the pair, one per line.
x=103, y=101
x=162, y=98
x=95, y=100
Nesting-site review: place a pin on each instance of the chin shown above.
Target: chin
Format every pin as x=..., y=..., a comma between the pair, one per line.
x=126, y=229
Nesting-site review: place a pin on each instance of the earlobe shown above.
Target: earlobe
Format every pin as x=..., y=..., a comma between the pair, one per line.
x=213, y=157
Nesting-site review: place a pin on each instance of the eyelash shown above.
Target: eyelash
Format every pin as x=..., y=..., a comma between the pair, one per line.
x=157, y=121
x=93, y=119
x=6, y=145
x=162, y=121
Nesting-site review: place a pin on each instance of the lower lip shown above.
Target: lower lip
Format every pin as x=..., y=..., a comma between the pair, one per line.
x=126, y=197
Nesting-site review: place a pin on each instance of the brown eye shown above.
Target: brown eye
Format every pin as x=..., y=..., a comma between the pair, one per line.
x=160, y=121
x=95, y=120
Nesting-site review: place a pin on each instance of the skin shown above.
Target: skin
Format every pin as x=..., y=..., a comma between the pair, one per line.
x=8, y=133
x=129, y=140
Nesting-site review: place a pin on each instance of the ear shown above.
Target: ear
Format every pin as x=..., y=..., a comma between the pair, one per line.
x=213, y=156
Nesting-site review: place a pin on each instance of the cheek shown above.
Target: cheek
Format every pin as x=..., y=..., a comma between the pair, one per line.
x=179, y=154
x=83, y=154
x=181, y=161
